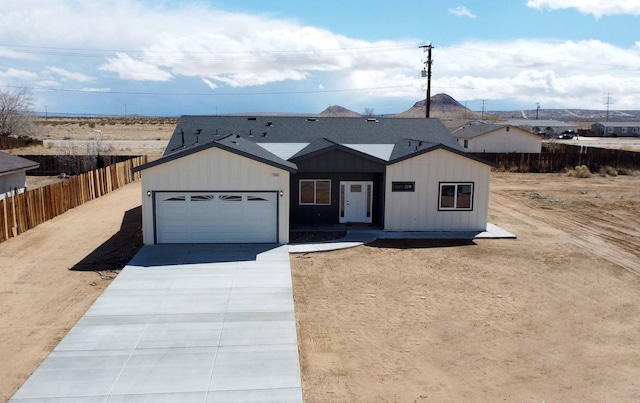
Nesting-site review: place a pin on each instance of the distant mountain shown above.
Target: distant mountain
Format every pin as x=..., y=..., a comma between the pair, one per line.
x=335, y=111
x=443, y=107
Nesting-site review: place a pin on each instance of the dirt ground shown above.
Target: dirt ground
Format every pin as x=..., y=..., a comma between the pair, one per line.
x=551, y=316
x=40, y=297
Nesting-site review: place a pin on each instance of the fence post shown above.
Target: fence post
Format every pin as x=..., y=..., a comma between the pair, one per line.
x=6, y=220
x=14, y=229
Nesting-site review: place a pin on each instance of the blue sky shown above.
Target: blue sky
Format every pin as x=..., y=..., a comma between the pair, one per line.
x=168, y=58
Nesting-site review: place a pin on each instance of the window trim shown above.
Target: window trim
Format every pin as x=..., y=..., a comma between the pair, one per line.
x=456, y=184
x=315, y=192
x=402, y=186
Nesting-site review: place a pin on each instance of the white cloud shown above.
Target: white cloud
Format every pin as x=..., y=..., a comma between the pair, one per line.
x=129, y=68
x=16, y=74
x=529, y=71
x=210, y=84
x=462, y=11
x=598, y=8
x=90, y=89
x=66, y=74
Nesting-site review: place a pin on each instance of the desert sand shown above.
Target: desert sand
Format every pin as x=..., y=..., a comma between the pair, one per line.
x=550, y=316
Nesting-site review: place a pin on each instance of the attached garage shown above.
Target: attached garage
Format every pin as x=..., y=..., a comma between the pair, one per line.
x=223, y=191
x=216, y=217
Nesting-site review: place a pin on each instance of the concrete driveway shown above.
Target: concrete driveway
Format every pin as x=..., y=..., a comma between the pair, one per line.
x=182, y=323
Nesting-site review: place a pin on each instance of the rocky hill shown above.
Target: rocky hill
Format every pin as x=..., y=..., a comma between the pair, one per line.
x=336, y=111
x=443, y=107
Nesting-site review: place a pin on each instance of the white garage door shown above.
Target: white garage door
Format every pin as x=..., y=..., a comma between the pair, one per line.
x=216, y=217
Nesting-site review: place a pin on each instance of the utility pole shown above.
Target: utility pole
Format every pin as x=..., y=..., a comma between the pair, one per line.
x=608, y=103
x=537, y=109
x=427, y=73
x=483, y=101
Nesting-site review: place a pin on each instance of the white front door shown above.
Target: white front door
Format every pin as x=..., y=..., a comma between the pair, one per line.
x=356, y=202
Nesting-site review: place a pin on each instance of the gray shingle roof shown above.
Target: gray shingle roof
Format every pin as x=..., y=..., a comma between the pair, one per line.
x=245, y=135
x=288, y=129
x=12, y=163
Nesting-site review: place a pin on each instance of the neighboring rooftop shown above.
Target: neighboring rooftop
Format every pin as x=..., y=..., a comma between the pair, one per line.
x=12, y=163
x=475, y=130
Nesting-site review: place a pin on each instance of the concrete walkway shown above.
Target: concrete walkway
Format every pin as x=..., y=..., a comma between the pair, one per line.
x=182, y=323
x=361, y=237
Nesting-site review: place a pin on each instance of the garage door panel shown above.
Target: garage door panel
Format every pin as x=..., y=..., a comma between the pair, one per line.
x=216, y=217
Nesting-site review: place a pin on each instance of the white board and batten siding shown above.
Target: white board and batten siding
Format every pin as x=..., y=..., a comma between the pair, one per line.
x=418, y=210
x=217, y=174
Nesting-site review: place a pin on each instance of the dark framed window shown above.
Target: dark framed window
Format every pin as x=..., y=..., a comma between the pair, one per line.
x=403, y=186
x=456, y=196
x=466, y=144
x=315, y=191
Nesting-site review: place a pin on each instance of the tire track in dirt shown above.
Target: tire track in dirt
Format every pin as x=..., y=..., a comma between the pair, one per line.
x=591, y=237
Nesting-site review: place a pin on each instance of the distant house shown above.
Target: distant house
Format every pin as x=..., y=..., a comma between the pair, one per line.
x=616, y=129
x=546, y=128
x=13, y=174
x=497, y=138
x=230, y=179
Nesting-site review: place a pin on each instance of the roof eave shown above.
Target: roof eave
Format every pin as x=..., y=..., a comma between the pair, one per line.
x=192, y=150
x=443, y=147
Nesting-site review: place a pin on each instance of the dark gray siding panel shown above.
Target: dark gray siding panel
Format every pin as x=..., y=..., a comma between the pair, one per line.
x=329, y=214
x=338, y=161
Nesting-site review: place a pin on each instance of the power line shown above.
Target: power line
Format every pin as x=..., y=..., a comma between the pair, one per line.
x=249, y=54
x=210, y=93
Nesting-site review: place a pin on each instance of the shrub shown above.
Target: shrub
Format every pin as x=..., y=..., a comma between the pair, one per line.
x=630, y=172
x=606, y=170
x=581, y=171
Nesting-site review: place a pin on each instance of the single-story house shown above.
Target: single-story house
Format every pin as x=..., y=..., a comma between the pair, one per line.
x=13, y=174
x=497, y=138
x=235, y=179
x=545, y=128
x=616, y=129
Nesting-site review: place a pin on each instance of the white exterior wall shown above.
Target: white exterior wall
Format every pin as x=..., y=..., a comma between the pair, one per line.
x=10, y=182
x=502, y=141
x=214, y=169
x=418, y=211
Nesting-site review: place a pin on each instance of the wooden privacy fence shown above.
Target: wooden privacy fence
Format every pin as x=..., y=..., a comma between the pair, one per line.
x=564, y=156
x=71, y=164
x=7, y=143
x=27, y=210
